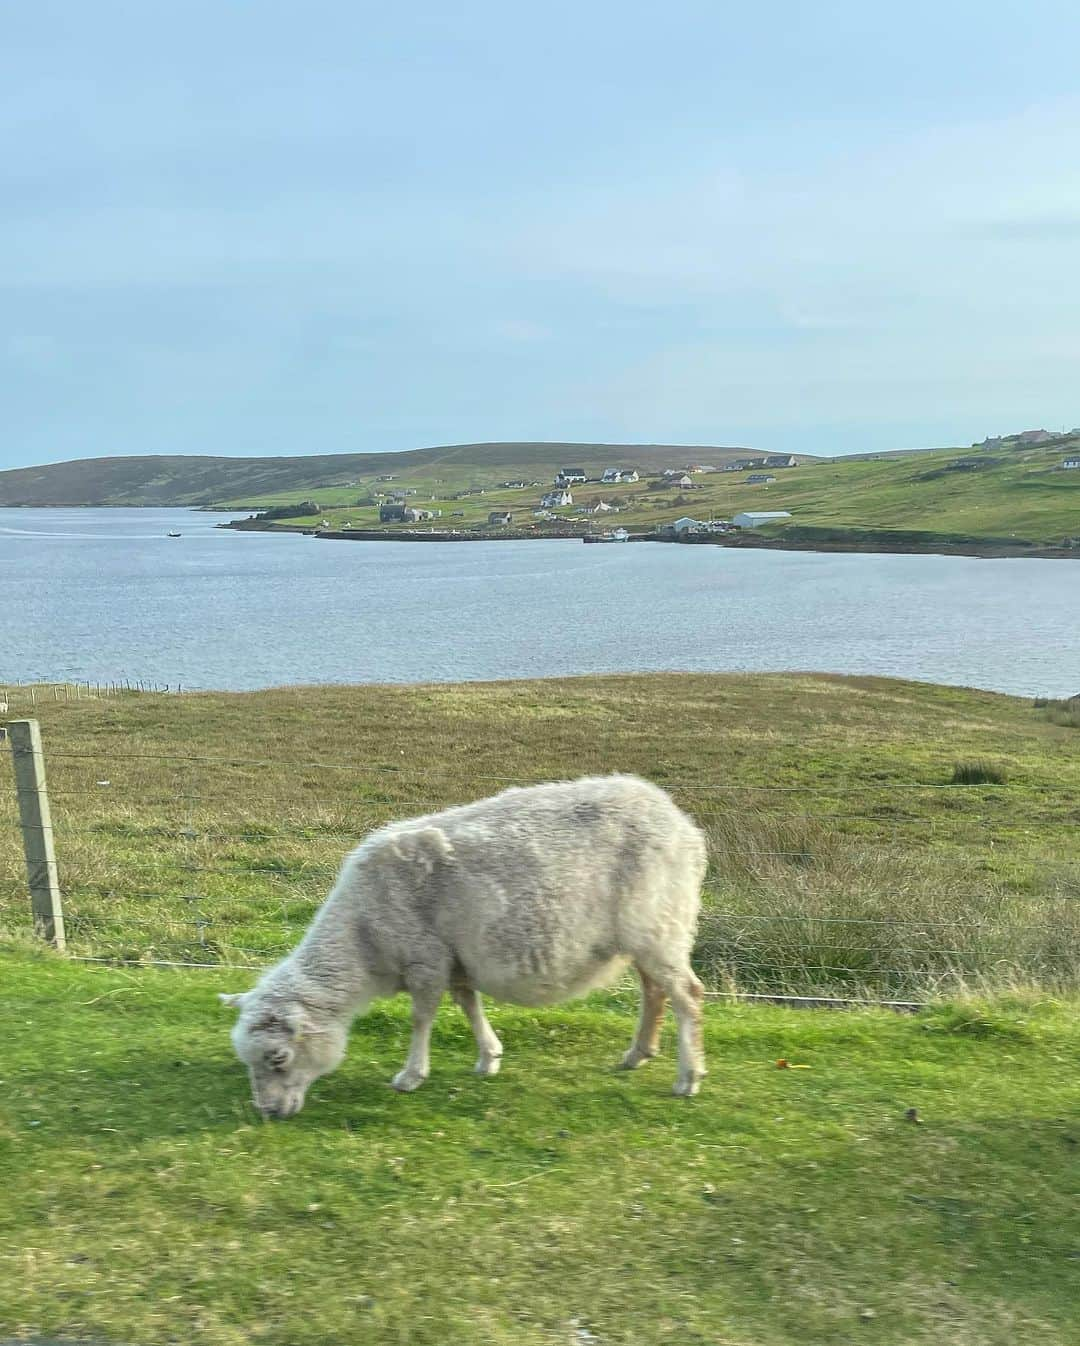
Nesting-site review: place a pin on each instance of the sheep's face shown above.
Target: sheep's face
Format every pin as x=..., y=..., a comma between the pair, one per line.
x=284, y=1052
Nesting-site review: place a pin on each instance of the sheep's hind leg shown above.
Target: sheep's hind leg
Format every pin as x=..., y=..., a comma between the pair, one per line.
x=487, y=1042
x=686, y=994
x=425, y=1004
x=646, y=1043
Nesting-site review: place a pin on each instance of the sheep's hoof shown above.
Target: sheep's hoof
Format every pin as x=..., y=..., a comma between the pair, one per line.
x=488, y=1066
x=405, y=1081
x=635, y=1057
x=687, y=1088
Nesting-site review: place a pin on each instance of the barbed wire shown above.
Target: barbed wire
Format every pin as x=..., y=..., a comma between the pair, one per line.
x=752, y=997
x=160, y=962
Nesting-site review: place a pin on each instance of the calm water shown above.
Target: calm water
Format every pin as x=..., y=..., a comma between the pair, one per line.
x=104, y=594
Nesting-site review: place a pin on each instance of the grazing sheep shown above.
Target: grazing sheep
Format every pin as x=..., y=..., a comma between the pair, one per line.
x=534, y=896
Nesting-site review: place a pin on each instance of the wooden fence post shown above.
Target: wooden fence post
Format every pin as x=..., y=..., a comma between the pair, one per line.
x=36, y=820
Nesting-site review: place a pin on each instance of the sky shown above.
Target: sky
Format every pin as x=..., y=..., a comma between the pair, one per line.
x=257, y=227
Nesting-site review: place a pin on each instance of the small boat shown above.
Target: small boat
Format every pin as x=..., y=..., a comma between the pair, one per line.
x=172, y=534
x=609, y=535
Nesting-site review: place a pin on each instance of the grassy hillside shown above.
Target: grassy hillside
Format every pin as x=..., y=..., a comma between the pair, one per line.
x=192, y=480
x=1005, y=493
x=558, y=1204
x=208, y=827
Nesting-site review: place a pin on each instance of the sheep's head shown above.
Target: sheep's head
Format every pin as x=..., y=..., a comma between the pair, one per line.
x=283, y=1049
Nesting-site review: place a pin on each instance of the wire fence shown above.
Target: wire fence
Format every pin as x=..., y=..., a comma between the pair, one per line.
x=881, y=890
x=25, y=697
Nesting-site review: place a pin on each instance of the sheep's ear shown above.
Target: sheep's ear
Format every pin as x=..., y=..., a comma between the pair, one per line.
x=234, y=999
x=424, y=847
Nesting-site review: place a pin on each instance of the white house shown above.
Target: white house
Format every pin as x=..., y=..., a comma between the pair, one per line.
x=566, y=476
x=1070, y=462
x=685, y=525
x=755, y=518
x=556, y=499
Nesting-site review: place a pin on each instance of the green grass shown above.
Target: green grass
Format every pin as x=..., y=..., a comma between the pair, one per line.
x=145, y=1203
x=207, y=828
x=979, y=773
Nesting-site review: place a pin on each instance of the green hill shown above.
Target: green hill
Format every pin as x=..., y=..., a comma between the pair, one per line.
x=1010, y=492
x=195, y=480
x=1006, y=489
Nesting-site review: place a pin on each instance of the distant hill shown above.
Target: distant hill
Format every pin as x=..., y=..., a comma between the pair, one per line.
x=1013, y=493
x=193, y=480
x=1014, y=488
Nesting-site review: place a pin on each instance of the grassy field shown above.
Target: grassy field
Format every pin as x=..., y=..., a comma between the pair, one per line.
x=1013, y=493
x=844, y=857
x=556, y=1205
x=559, y=1203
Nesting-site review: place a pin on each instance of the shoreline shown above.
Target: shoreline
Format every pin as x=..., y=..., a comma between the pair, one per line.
x=902, y=546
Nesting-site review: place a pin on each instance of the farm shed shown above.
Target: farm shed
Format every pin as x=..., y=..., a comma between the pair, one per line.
x=755, y=518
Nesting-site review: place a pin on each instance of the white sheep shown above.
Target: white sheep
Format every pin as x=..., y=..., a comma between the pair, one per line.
x=534, y=896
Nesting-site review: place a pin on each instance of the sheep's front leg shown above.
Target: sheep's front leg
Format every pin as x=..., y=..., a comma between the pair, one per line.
x=425, y=1003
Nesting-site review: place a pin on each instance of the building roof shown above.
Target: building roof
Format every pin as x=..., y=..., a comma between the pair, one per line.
x=762, y=514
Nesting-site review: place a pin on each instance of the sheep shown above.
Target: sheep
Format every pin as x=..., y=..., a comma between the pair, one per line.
x=534, y=896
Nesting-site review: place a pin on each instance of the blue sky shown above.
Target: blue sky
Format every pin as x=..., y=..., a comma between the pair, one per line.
x=249, y=226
